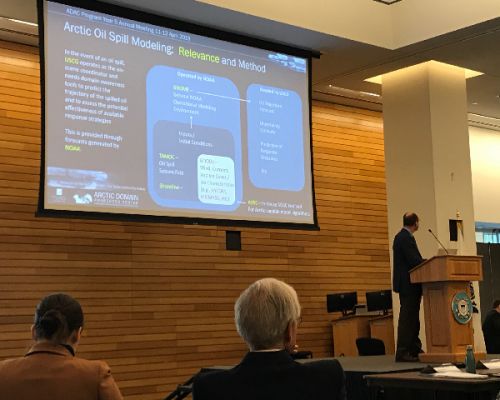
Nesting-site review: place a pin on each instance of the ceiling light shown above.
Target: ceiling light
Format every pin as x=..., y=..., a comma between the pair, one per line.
x=333, y=90
x=388, y=2
x=468, y=73
x=22, y=22
x=370, y=94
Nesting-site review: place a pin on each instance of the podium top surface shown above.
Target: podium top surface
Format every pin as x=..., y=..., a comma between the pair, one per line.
x=448, y=267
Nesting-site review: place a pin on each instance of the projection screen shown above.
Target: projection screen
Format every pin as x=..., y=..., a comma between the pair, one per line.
x=141, y=119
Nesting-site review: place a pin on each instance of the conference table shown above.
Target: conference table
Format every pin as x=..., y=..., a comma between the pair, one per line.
x=380, y=377
x=416, y=385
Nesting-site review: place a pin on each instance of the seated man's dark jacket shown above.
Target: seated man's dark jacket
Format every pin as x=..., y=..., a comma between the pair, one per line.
x=406, y=256
x=491, y=331
x=273, y=376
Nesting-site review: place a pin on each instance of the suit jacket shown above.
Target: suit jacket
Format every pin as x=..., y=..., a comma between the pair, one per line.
x=491, y=330
x=51, y=372
x=271, y=376
x=405, y=257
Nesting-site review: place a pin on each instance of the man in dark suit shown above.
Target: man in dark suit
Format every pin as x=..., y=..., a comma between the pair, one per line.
x=491, y=329
x=267, y=314
x=406, y=256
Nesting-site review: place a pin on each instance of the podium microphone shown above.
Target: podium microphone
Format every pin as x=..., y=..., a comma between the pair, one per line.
x=437, y=240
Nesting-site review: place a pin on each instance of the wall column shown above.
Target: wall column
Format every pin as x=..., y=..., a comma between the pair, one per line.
x=427, y=160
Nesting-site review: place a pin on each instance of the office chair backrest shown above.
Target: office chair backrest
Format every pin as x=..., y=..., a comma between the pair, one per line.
x=370, y=346
x=300, y=355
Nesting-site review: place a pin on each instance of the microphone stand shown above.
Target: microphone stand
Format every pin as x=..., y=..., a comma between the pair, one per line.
x=437, y=240
x=182, y=391
x=185, y=389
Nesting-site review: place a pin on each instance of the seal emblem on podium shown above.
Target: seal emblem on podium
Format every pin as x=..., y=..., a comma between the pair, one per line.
x=461, y=307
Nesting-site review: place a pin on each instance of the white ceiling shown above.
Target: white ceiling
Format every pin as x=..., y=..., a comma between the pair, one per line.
x=400, y=24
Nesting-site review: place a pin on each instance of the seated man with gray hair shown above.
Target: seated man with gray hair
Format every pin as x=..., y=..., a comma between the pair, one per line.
x=267, y=314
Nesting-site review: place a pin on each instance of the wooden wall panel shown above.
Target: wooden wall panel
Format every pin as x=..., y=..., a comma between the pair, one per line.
x=158, y=297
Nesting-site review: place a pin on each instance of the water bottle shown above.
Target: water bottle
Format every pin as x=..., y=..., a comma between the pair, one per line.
x=470, y=361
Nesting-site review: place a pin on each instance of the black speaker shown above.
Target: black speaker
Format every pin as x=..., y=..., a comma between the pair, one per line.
x=454, y=230
x=233, y=240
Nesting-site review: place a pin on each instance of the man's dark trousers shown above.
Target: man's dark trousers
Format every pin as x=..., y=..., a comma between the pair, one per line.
x=409, y=323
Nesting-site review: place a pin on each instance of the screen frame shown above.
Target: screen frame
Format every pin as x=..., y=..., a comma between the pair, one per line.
x=196, y=29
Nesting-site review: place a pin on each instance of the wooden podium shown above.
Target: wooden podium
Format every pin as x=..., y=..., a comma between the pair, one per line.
x=442, y=278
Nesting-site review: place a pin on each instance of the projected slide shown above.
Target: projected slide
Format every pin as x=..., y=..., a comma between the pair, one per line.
x=194, y=139
x=275, y=148
x=143, y=119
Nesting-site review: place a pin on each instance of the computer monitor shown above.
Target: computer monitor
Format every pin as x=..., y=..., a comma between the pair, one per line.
x=343, y=302
x=380, y=300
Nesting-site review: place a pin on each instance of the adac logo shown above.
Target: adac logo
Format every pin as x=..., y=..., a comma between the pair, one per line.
x=461, y=307
x=85, y=199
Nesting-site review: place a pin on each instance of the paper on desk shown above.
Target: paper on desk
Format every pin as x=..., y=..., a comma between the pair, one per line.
x=446, y=368
x=459, y=375
x=491, y=364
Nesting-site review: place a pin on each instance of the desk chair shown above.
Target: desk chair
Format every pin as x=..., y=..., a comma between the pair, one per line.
x=300, y=355
x=370, y=346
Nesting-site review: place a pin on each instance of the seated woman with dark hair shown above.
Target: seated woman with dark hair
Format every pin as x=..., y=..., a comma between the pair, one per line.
x=50, y=369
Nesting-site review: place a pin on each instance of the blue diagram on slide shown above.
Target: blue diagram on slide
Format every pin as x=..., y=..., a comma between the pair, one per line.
x=275, y=142
x=194, y=140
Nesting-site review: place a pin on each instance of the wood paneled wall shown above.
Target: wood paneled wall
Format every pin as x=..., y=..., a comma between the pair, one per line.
x=159, y=298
